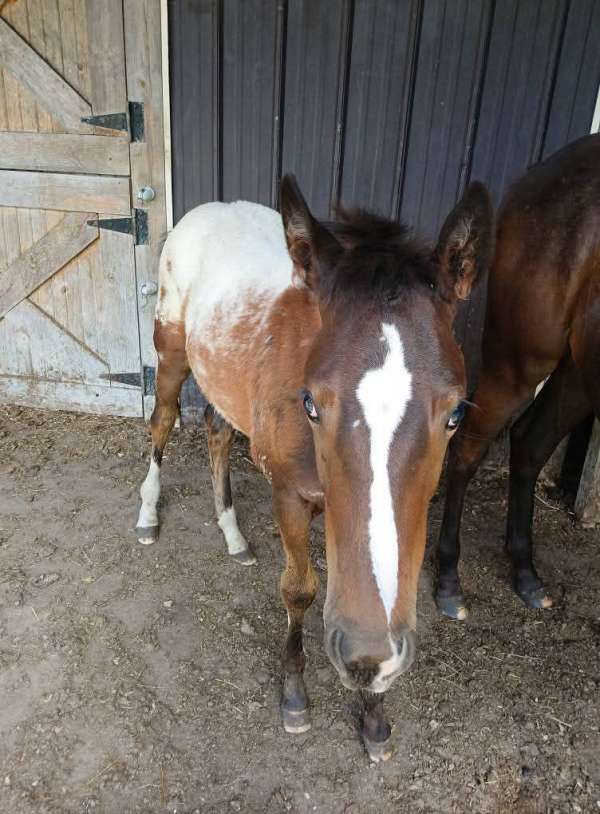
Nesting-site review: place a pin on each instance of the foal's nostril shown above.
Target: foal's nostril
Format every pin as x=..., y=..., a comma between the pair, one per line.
x=359, y=668
x=334, y=643
x=343, y=647
x=406, y=644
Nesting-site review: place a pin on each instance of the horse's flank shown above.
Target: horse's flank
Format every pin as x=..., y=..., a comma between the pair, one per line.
x=235, y=299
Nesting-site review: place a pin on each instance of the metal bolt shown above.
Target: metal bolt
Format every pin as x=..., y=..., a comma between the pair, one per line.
x=146, y=194
x=148, y=289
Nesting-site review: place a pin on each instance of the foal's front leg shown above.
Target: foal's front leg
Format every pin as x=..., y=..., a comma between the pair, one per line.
x=299, y=584
x=375, y=730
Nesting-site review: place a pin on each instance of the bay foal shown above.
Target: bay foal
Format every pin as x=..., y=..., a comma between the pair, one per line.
x=335, y=355
x=542, y=320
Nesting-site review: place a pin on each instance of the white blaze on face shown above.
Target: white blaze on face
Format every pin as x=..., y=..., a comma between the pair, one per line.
x=383, y=394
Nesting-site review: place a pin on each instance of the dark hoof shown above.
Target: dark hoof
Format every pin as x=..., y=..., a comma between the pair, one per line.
x=377, y=751
x=244, y=557
x=295, y=721
x=537, y=599
x=147, y=534
x=453, y=607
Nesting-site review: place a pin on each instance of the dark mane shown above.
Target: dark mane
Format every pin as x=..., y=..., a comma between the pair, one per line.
x=382, y=258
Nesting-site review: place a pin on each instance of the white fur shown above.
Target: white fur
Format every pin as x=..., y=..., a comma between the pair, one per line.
x=387, y=669
x=383, y=394
x=150, y=492
x=220, y=254
x=233, y=536
x=221, y=260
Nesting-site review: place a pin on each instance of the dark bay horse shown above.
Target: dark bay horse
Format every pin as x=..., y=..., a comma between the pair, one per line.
x=335, y=355
x=542, y=320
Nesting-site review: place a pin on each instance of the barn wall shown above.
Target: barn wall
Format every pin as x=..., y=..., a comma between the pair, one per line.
x=388, y=104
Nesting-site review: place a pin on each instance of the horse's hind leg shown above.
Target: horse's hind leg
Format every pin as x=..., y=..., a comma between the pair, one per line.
x=172, y=371
x=220, y=438
x=560, y=406
x=299, y=584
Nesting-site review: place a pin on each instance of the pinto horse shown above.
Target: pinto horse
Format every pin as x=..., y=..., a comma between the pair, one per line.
x=542, y=320
x=335, y=356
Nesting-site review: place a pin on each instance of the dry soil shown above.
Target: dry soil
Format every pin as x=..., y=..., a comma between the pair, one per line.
x=138, y=679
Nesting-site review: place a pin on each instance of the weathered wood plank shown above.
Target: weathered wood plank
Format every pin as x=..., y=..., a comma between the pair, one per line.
x=145, y=84
x=33, y=344
x=65, y=191
x=72, y=396
x=116, y=289
x=37, y=40
x=17, y=57
x=44, y=258
x=106, y=56
x=64, y=152
x=587, y=505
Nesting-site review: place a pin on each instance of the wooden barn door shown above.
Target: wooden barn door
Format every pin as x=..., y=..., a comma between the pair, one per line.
x=68, y=310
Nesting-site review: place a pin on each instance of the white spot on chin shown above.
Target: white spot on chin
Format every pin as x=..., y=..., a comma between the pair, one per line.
x=383, y=394
x=356, y=423
x=387, y=668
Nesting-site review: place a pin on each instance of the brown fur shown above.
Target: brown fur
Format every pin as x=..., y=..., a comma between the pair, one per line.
x=324, y=335
x=542, y=319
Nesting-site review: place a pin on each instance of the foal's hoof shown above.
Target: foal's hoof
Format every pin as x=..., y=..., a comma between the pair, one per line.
x=295, y=721
x=453, y=607
x=147, y=534
x=537, y=599
x=244, y=557
x=378, y=751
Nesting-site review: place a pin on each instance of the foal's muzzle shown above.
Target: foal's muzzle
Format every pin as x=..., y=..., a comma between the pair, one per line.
x=365, y=663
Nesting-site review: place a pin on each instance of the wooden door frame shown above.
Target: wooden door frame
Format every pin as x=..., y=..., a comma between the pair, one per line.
x=166, y=77
x=145, y=67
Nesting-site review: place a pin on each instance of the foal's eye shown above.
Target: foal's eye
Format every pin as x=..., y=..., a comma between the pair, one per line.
x=456, y=416
x=309, y=406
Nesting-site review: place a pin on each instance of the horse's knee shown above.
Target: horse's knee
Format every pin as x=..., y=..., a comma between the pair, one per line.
x=298, y=591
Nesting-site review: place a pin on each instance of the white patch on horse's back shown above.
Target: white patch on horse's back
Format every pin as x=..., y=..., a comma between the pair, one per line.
x=383, y=394
x=222, y=255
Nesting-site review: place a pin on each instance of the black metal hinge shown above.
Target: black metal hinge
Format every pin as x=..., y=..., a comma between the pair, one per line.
x=145, y=379
x=137, y=225
x=119, y=121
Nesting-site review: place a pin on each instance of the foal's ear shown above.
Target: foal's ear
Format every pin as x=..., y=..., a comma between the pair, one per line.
x=466, y=241
x=313, y=248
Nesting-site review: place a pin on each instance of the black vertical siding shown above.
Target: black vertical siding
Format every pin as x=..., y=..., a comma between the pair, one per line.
x=314, y=71
x=523, y=52
x=391, y=104
x=388, y=104
x=447, y=85
x=249, y=103
x=195, y=68
x=577, y=77
x=380, y=85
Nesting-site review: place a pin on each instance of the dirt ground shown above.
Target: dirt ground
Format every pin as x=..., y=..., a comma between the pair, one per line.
x=140, y=679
